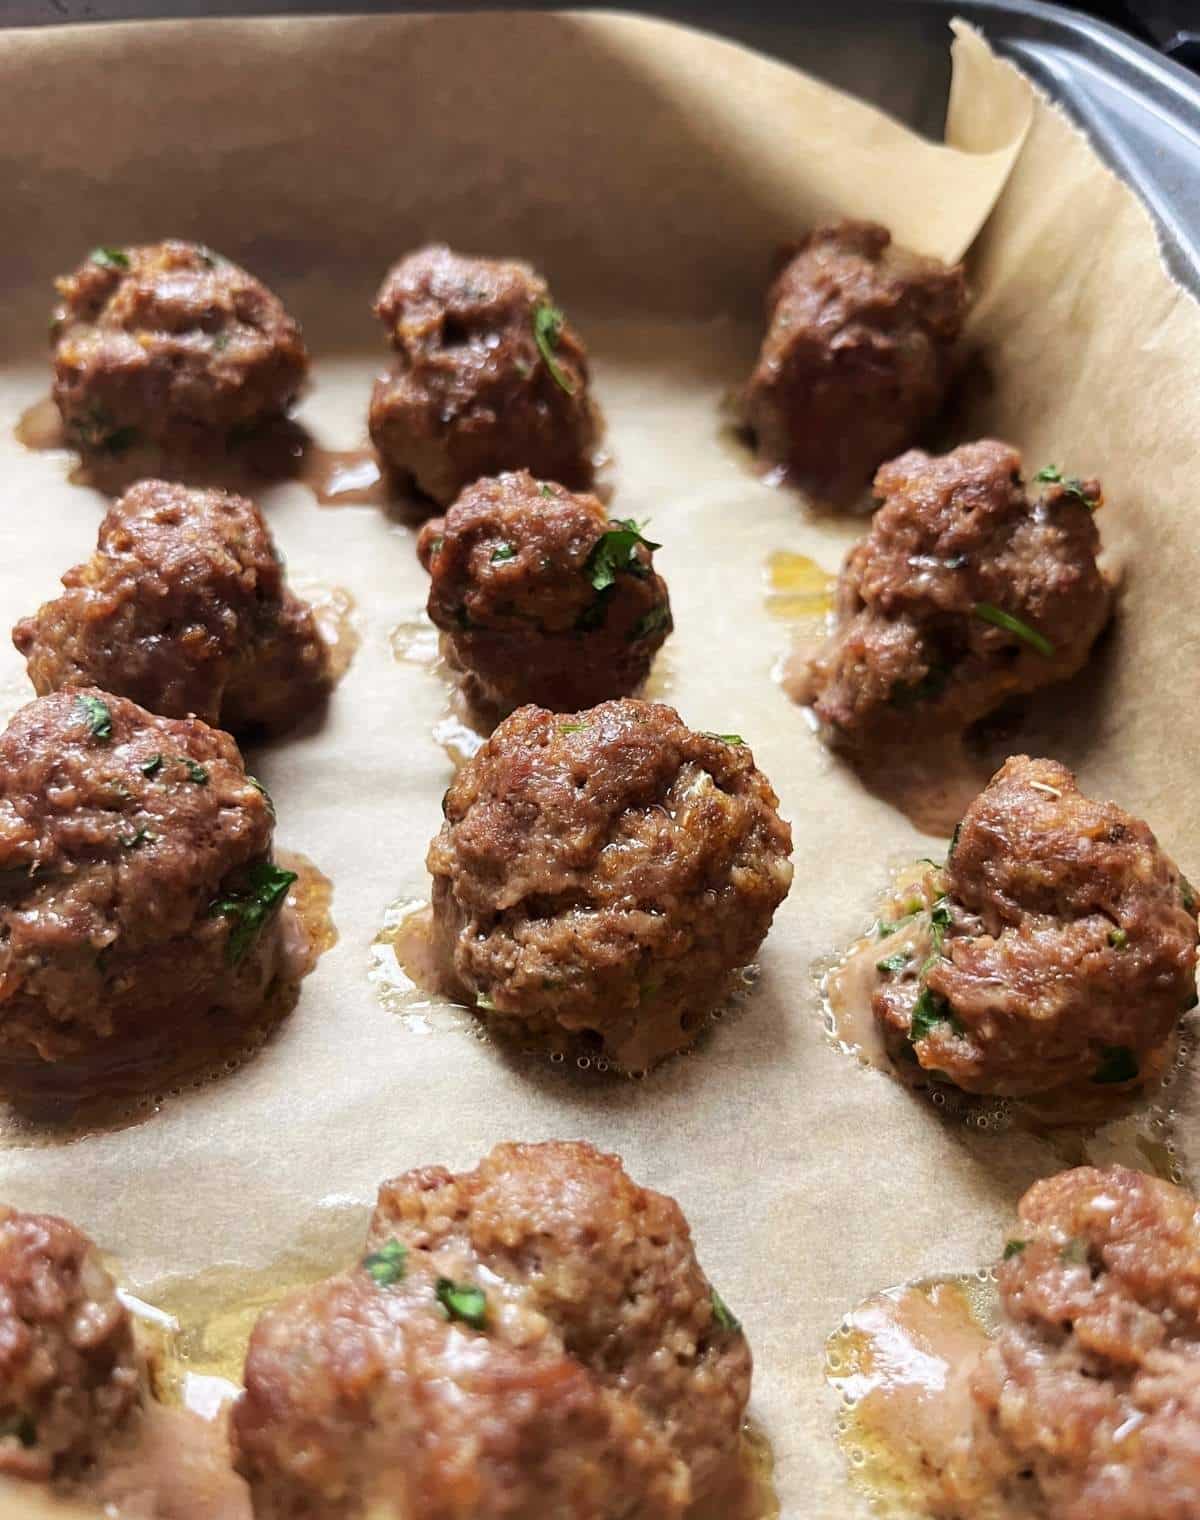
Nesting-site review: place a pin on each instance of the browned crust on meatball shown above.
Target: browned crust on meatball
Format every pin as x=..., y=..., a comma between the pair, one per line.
x=857, y=357
x=1092, y=1389
x=183, y=609
x=114, y=853
x=470, y=392
x=599, y=1381
x=910, y=651
x=606, y=870
x=1070, y=951
x=169, y=344
x=512, y=568
x=69, y=1371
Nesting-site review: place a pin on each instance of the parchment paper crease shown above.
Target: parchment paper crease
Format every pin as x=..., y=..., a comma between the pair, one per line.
x=650, y=171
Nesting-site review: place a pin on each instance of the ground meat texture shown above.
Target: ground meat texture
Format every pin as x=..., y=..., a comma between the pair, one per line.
x=957, y=548
x=184, y=609
x=540, y=597
x=1092, y=1388
x=530, y=1339
x=137, y=896
x=857, y=356
x=472, y=391
x=1068, y=948
x=169, y=344
x=69, y=1371
x=606, y=870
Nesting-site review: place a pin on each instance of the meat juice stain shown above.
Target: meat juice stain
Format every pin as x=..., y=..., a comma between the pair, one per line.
x=460, y=731
x=335, y=611
x=1134, y=1126
x=57, y=1108
x=40, y=427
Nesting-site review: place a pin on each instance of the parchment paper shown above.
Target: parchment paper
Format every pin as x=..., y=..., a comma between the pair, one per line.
x=650, y=171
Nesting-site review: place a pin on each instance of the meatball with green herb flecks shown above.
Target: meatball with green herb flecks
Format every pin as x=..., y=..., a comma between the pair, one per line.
x=531, y=1338
x=184, y=609
x=1058, y=947
x=965, y=592
x=540, y=597
x=606, y=871
x=170, y=345
x=488, y=376
x=139, y=903
x=857, y=357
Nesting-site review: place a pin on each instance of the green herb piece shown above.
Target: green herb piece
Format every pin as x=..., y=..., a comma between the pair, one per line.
x=96, y=715
x=142, y=836
x=931, y=684
x=110, y=258
x=913, y=905
x=1049, y=473
x=1187, y=893
x=1075, y=1252
x=462, y=1301
x=893, y=964
x=571, y=728
x=250, y=906
x=435, y=545
x=997, y=616
x=1071, y=484
x=266, y=796
x=655, y=621
x=1117, y=1064
x=21, y=1426
x=504, y=552
x=616, y=550
x=544, y=489
x=220, y=342
x=195, y=770
x=152, y=766
x=723, y=1314
x=954, y=840
x=886, y=926
x=929, y=1011
x=1118, y=938
x=547, y=329
x=1014, y=1248
x=387, y=1266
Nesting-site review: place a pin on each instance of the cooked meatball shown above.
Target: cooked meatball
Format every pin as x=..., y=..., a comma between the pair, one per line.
x=857, y=356
x=963, y=593
x=169, y=344
x=488, y=376
x=1090, y=1396
x=1063, y=950
x=184, y=609
x=534, y=1338
x=137, y=895
x=606, y=870
x=69, y=1371
x=541, y=598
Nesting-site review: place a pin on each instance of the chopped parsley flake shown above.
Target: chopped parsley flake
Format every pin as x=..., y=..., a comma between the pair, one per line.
x=250, y=906
x=571, y=728
x=142, y=836
x=1118, y=938
x=616, y=550
x=462, y=1301
x=152, y=766
x=929, y=1011
x=499, y=555
x=1014, y=1248
x=723, y=1314
x=990, y=613
x=387, y=1266
x=96, y=715
x=893, y=964
x=1117, y=1064
x=1187, y=894
x=110, y=258
x=547, y=329
x=725, y=738
x=195, y=770
x=266, y=796
x=1071, y=484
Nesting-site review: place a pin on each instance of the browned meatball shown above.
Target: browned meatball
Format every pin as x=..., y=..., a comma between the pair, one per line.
x=1088, y=1404
x=488, y=376
x=69, y=1370
x=169, y=344
x=606, y=870
x=533, y=1338
x=857, y=356
x=541, y=597
x=963, y=593
x=138, y=899
x=184, y=609
x=1063, y=950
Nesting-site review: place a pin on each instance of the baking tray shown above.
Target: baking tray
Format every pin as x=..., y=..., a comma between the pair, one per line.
x=1140, y=110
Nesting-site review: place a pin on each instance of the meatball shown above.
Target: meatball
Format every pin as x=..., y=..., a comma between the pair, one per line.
x=1091, y=1392
x=488, y=376
x=963, y=593
x=138, y=899
x=1062, y=951
x=169, y=344
x=857, y=357
x=184, y=609
x=70, y=1375
x=540, y=597
x=606, y=871
x=532, y=1338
